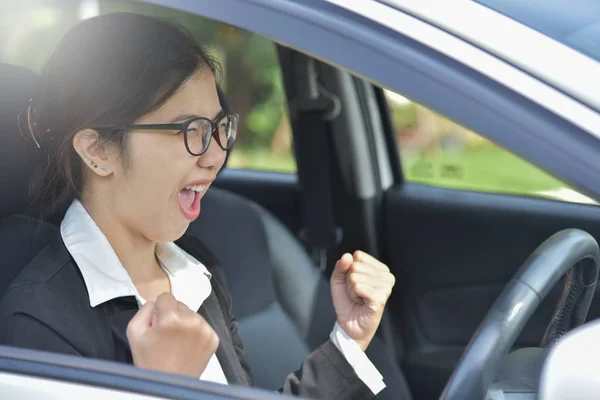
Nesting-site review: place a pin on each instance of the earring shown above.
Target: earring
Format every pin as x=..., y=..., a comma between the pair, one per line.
x=94, y=164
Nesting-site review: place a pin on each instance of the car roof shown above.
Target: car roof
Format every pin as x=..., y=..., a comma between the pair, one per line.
x=575, y=23
x=522, y=35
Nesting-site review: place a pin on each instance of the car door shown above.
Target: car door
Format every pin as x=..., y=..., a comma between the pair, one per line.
x=464, y=218
x=463, y=215
x=29, y=374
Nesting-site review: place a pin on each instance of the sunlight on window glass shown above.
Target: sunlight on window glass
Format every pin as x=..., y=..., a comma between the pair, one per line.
x=436, y=151
x=88, y=9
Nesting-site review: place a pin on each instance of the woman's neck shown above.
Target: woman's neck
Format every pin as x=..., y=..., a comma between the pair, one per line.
x=134, y=250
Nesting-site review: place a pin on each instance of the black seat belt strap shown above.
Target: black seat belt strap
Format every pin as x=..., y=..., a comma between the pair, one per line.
x=313, y=108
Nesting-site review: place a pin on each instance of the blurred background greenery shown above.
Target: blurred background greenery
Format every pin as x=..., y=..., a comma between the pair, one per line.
x=433, y=149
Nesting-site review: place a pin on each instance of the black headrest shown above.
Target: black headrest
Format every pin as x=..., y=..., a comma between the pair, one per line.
x=19, y=157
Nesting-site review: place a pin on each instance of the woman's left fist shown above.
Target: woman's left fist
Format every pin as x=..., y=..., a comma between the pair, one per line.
x=360, y=287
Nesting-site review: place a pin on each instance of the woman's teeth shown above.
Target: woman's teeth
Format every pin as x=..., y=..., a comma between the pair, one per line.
x=197, y=188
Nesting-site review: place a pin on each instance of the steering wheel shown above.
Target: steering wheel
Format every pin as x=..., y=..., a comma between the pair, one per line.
x=573, y=252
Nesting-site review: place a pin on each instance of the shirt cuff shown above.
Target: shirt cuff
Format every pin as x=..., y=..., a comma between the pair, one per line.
x=363, y=367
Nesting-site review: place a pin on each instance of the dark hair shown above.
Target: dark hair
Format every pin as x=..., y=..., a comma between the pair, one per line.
x=107, y=71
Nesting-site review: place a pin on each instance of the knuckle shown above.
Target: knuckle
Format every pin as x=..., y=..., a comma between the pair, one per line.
x=384, y=299
x=198, y=323
x=358, y=255
x=163, y=297
x=131, y=331
x=169, y=321
x=214, y=340
x=207, y=334
x=181, y=307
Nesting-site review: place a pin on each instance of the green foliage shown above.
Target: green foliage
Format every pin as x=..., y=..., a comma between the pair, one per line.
x=404, y=115
x=486, y=168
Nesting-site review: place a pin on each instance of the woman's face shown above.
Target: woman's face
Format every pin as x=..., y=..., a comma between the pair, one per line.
x=147, y=192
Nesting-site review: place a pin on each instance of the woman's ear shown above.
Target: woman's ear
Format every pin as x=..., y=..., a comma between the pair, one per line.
x=94, y=152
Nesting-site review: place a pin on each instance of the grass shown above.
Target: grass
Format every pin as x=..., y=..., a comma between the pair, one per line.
x=485, y=168
x=261, y=160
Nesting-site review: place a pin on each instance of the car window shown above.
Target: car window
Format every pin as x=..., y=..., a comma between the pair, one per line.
x=251, y=75
x=436, y=151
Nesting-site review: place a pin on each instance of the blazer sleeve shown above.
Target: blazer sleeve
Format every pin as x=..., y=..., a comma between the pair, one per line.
x=26, y=321
x=324, y=374
x=22, y=330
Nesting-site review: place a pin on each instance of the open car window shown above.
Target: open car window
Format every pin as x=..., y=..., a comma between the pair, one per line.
x=251, y=75
x=437, y=151
x=251, y=78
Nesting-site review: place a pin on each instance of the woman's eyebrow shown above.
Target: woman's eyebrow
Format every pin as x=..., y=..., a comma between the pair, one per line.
x=182, y=118
x=186, y=117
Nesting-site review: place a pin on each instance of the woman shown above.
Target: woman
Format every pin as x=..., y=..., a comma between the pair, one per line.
x=135, y=131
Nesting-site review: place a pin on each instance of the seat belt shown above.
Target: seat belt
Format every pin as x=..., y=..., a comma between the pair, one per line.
x=314, y=107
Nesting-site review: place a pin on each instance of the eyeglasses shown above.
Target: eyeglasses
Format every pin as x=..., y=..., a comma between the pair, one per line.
x=197, y=132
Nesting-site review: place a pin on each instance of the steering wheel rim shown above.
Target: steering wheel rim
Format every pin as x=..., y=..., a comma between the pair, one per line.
x=507, y=317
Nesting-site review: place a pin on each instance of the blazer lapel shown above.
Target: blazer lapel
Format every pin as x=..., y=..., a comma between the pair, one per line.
x=120, y=313
x=228, y=358
x=122, y=310
x=212, y=312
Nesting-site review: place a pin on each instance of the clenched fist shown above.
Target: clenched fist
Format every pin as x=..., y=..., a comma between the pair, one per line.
x=360, y=287
x=169, y=337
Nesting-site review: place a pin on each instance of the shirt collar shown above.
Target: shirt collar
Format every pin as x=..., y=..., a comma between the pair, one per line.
x=106, y=278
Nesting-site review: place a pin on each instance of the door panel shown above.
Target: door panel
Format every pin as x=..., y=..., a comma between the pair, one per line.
x=452, y=252
x=277, y=192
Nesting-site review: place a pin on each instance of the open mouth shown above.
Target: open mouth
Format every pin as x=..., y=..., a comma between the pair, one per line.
x=189, y=200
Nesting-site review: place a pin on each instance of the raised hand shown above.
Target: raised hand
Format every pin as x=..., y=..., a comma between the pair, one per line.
x=360, y=287
x=169, y=337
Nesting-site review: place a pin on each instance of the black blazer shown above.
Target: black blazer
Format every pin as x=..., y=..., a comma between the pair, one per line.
x=47, y=308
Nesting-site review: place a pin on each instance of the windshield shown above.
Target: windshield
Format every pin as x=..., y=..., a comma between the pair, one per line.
x=575, y=23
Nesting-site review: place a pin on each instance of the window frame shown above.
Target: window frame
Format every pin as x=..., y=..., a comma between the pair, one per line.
x=120, y=377
x=408, y=58
x=398, y=166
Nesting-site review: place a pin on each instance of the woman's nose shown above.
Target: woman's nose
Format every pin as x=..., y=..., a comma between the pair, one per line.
x=214, y=157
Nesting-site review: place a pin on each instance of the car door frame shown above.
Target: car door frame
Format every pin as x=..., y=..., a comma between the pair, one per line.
x=406, y=59
x=119, y=377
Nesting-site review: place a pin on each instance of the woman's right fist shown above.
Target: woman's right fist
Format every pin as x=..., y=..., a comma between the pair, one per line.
x=169, y=337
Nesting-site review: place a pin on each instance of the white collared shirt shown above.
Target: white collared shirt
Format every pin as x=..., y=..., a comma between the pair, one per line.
x=106, y=279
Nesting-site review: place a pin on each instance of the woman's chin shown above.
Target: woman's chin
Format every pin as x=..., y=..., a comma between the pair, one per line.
x=180, y=231
x=174, y=228
x=171, y=232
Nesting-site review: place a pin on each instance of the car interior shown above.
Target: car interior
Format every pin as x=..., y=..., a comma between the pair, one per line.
x=452, y=250
x=273, y=281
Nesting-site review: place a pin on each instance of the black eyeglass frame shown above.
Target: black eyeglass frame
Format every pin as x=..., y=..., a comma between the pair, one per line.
x=183, y=127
